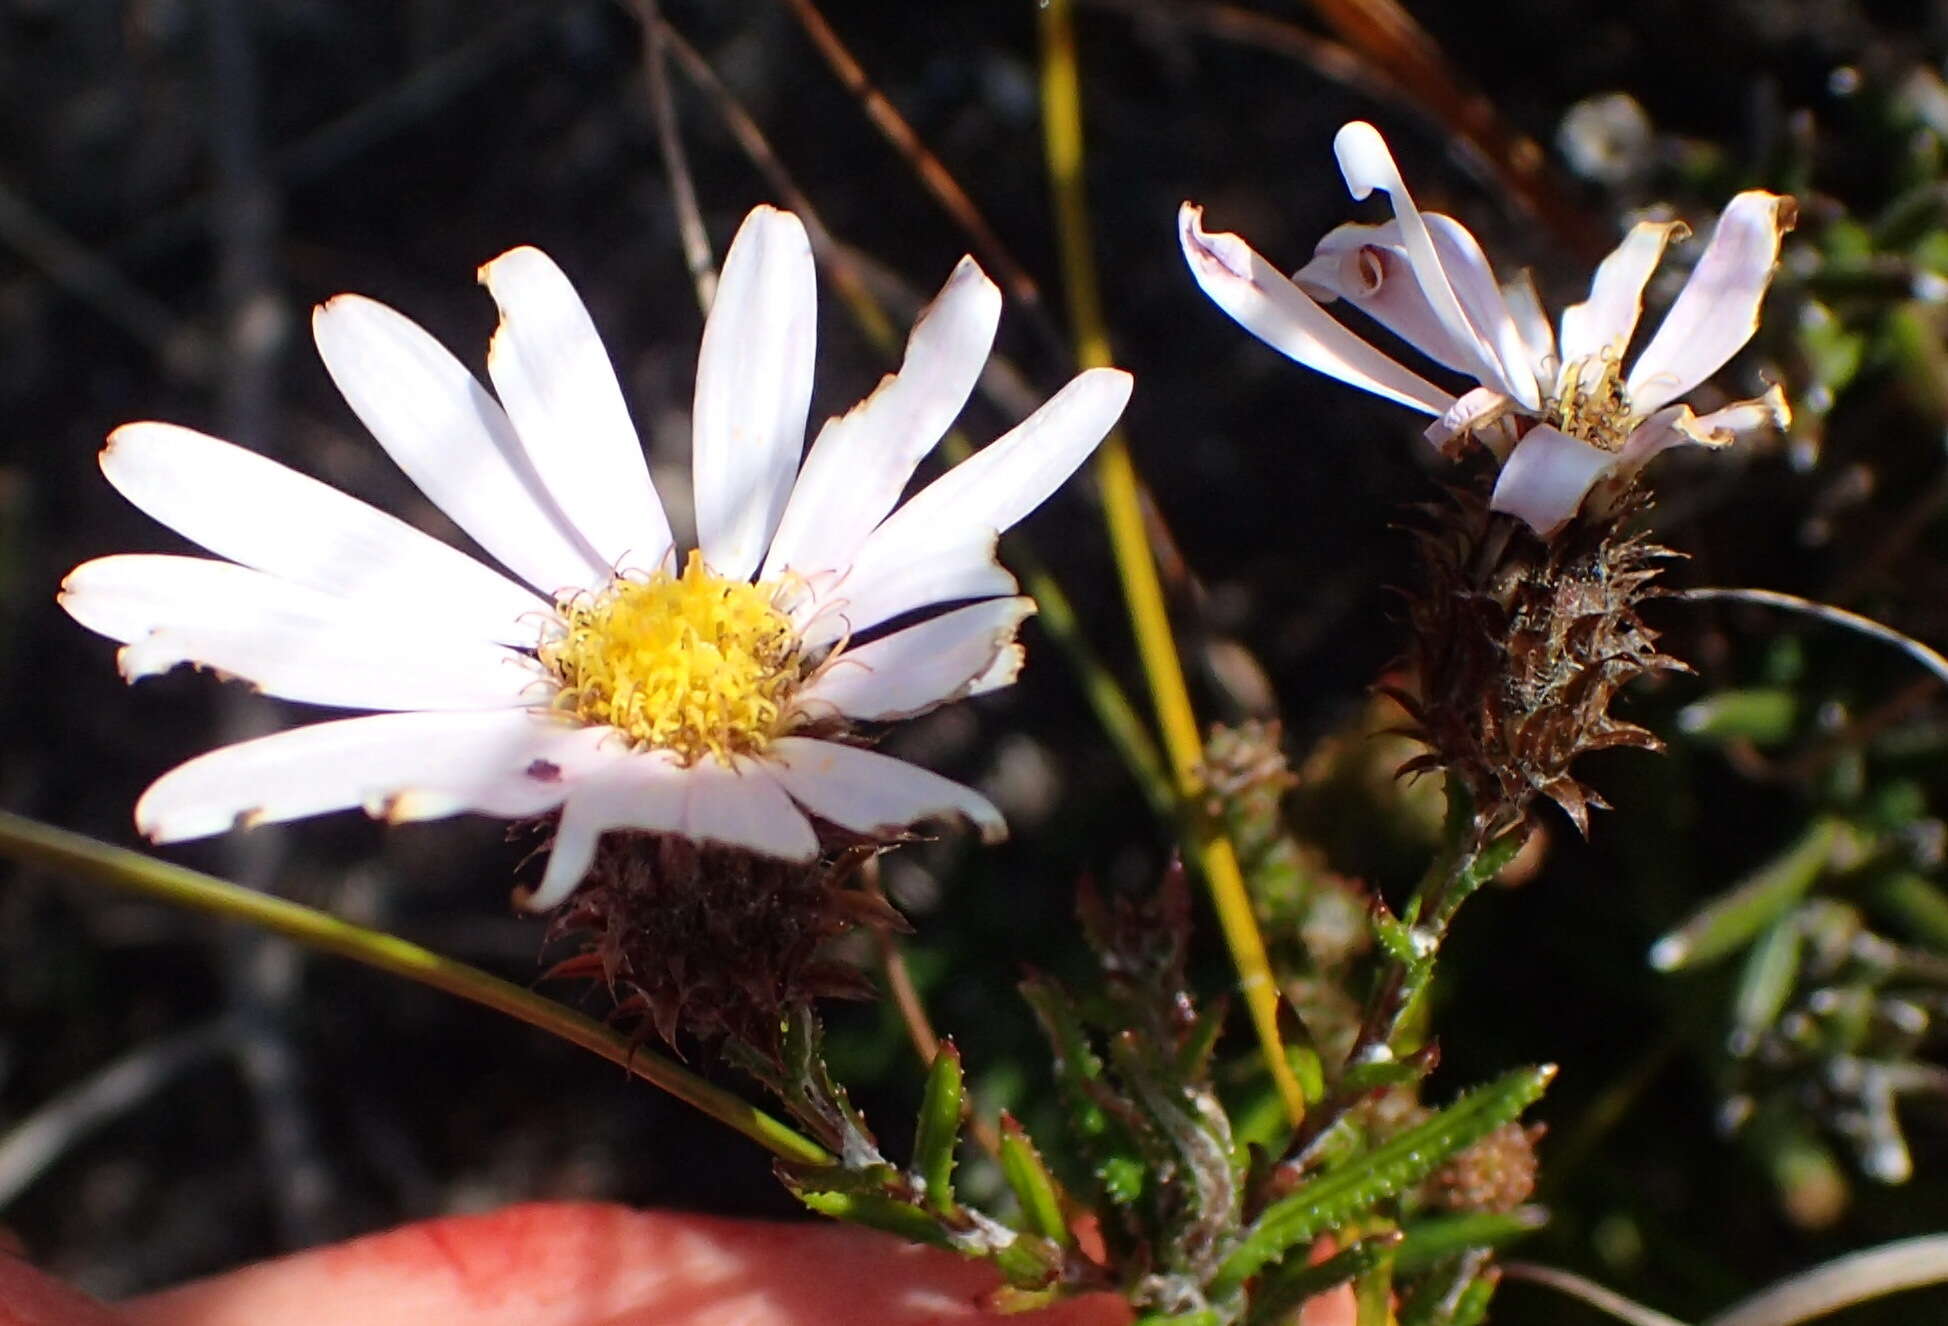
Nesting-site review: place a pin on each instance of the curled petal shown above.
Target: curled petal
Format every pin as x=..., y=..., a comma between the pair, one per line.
x=1284, y=317
x=1367, y=165
x=1474, y=410
x=1547, y=476
x=1675, y=425
x=1718, y=309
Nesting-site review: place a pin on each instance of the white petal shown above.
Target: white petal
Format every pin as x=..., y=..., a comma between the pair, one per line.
x=452, y=439
x=252, y=510
x=1604, y=323
x=1546, y=477
x=1474, y=411
x=509, y=762
x=559, y=388
x=862, y=460
x=901, y=573
x=286, y=640
x=1538, y=337
x=1284, y=317
x=911, y=671
x=1367, y=165
x=939, y=546
x=1367, y=266
x=1675, y=424
x=754, y=386
x=705, y=802
x=871, y=793
x=1733, y=421
x=1718, y=309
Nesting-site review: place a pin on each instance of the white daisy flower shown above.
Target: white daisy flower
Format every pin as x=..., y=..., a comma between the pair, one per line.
x=625, y=684
x=1558, y=410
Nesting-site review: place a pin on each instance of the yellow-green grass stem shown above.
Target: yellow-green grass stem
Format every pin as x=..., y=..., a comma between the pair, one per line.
x=28, y=841
x=1135, y=560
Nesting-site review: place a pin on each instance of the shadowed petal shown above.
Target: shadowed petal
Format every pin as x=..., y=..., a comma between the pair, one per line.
x=704, y=802
x=871, y=793
x=1546, y=477
x=1718, y=309
x=911, y=671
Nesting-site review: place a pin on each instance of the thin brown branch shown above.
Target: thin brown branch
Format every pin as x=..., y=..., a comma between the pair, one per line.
x=933, y=176
x=683, y=188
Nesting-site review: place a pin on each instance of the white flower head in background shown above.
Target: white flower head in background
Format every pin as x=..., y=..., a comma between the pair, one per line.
x=614, y=679
x=1559, y=409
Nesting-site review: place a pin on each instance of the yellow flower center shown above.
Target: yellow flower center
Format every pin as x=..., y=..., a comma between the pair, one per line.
x=1591, y=403
x=693, y=663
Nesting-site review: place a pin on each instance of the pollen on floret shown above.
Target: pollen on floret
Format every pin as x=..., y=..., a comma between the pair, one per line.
x=1591, y=402
x=694, y=663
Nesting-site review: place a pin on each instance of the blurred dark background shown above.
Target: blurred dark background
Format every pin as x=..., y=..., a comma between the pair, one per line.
x=180, y=180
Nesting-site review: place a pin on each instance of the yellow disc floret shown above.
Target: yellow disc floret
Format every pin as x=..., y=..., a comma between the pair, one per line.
x=694, y=663
x=1592, y=403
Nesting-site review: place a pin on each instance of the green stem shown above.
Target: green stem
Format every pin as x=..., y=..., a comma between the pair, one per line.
x=26, y=840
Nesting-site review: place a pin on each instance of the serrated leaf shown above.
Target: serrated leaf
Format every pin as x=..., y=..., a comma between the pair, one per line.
x=1731, y=920
x=876, y=1211
x=937, y=1134
x=1334, y=1198
x=1282, y=1291
x=1112, y=1153
x=1034, y=1187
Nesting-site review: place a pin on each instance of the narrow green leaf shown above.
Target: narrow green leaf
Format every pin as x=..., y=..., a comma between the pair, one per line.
x=937, y=1135
x=1202, y=1317
x=1031, y=1265
x=1763, y=716
x=1735, y=917
x=1282, y=1291
x=875, y=1211
x=1472, y=1308
x=1332, y=1199
x=1373, y=1294
x=1034, y=1188
x=1433, y=1240
x=1917, y=903
x=1112, y=1152
x=1765, y=983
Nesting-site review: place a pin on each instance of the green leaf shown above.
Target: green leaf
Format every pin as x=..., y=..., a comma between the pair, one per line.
x=1764, y=716
x=1332, y=1199
x=1112, y=1152
x=875, y=1211
x=1429, y=1242
x=1731, y=920
x=1279, y=1293
x=938, y=1133
x=1034, y=1188
x=1765, y=983
x=1917, y=903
